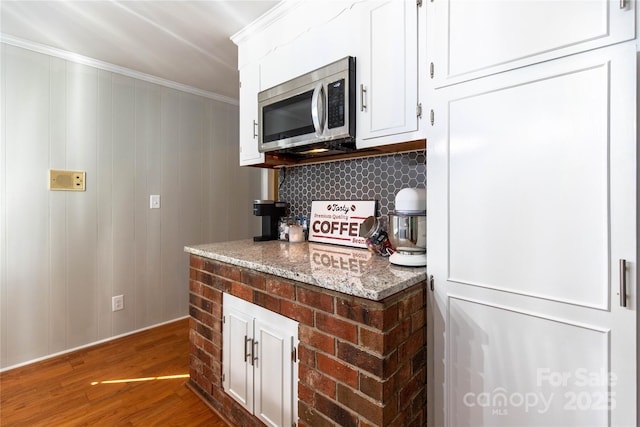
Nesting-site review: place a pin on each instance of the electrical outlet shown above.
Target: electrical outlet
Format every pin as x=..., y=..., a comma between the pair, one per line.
x=117, y=303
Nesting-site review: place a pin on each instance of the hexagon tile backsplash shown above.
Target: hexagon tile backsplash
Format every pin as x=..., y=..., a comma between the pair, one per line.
x=371, y=178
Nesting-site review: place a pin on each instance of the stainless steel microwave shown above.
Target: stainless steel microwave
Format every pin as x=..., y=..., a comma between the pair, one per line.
x=311, y=115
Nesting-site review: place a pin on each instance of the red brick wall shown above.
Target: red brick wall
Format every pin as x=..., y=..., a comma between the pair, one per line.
x=361, y=362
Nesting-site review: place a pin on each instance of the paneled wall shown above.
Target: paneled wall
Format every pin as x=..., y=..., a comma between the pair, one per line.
x=63, y=255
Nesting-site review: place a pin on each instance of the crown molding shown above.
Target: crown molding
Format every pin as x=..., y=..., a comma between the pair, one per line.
x=265, y=20
x=84, y=60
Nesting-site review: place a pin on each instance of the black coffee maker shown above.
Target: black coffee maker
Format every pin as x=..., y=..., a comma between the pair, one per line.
x=271, y=212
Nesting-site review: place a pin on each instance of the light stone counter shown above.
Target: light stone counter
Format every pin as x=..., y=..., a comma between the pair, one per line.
x=352, y=271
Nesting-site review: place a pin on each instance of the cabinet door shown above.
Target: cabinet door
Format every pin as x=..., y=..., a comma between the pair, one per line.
x=532, y=204
x=249, y=88
x=275, y=370
x=237, y=366
x=319, y=33
x=387, y=70
x=469, y=39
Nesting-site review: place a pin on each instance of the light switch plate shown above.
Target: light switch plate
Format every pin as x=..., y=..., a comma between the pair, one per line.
x=154, y=201
x=64, y=180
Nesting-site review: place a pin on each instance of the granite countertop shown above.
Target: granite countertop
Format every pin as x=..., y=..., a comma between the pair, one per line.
x=352, y=271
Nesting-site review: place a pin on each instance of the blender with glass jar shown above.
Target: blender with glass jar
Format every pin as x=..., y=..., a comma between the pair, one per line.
x=408, y=228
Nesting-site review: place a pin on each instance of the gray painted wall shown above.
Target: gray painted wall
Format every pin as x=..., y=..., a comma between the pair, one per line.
x=63, y=255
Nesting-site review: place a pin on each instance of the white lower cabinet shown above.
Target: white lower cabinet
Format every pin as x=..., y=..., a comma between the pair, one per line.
x=259, y=362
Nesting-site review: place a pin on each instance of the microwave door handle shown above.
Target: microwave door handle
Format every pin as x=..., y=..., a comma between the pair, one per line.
x=317, y=109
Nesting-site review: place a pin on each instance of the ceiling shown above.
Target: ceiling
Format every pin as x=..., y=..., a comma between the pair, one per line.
x=186, y=42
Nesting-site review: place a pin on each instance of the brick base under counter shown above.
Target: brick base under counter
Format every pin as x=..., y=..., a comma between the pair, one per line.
x=361, y=362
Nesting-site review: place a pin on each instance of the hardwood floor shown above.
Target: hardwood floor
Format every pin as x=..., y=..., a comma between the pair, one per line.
x=76, y=389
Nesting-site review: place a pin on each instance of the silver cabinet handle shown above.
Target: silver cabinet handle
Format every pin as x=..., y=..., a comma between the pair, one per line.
x=255, y=126
x=363, y=91
x=254, y=352
x=623, y=4
x=246, y=353
x=623, y=283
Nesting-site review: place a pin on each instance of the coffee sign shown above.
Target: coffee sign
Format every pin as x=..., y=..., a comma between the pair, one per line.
x=338, y=222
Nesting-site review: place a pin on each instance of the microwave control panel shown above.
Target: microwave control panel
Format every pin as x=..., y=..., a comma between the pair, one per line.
x=335, y=101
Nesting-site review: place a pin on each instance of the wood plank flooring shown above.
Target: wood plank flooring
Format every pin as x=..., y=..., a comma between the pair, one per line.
x=75, y=389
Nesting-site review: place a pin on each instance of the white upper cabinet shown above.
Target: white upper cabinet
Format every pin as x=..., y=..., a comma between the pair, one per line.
x=295, y=38
x=249, y=87
x=290, y=40
x=470, y=39
x=387, y=72
x=309, y=37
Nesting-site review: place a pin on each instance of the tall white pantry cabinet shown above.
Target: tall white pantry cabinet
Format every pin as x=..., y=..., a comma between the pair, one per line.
x=532, y=212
